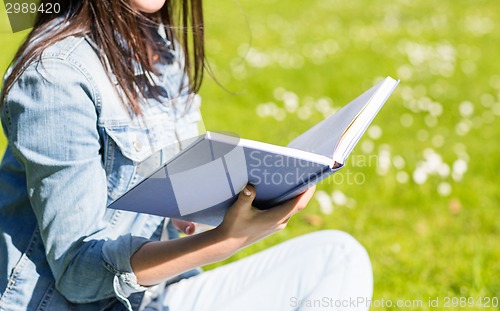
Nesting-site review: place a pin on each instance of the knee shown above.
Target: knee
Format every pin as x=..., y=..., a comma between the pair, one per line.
x=342, y=243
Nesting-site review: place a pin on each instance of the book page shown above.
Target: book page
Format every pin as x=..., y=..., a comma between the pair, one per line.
x=324, y=138
x=257, y=145
x=362, y=121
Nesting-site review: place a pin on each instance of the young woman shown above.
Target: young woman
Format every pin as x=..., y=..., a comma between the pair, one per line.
x=100, y=93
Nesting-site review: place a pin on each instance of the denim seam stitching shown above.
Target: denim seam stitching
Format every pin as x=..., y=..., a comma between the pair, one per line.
x=78, y=67
x=47, y=296
x=19, y=266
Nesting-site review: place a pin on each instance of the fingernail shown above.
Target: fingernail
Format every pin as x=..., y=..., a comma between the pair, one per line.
x=187, y=229
x=247, y=192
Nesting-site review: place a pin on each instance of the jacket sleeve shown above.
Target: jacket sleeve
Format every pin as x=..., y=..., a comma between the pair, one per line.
x=51, y=123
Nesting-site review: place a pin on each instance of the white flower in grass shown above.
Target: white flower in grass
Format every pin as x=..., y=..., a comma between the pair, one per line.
x=419, y=176
x=396, y=248
x=406, y=120
x=257, y=58
x=443, y=170
x=406, y=93
x=367, y=146
x=324, y=201
x=384, y=159
x=444, y=189
x=496, y=109
x=402, y=177
x=405, y=72
x=375, y=132
x=438, y=141
x=466, y=109
x=398, y=162
x=279, y=114
x=266, y=109
x=304, y=112
x=459, y=168
x=291, y=101
x=487, y=100
x=432, y=161
x=324, y=106
x=495, y=81
x=339, y=198
x=279, y=92
x=436, y=109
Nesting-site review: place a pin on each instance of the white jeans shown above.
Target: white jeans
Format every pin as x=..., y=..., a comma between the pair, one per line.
x=325, y=270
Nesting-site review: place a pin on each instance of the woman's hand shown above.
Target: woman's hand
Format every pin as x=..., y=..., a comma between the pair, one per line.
x=245, y=224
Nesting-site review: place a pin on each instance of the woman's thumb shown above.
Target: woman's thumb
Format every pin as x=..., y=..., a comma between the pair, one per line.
x=247, y=195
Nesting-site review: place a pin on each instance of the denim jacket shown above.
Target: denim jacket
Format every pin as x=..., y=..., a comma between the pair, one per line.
x=73, y=148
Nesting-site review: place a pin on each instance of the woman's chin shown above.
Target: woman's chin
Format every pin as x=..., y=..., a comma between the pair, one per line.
x=147, y=6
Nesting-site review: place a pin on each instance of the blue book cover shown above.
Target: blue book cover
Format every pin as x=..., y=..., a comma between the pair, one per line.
x=205, y=178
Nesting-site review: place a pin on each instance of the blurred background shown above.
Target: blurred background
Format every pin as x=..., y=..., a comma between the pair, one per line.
x=420, y=190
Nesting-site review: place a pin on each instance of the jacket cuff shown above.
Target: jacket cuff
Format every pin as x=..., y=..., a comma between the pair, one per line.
x=116, y=255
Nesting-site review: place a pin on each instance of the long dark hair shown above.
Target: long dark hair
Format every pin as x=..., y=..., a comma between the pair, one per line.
x=108, y=23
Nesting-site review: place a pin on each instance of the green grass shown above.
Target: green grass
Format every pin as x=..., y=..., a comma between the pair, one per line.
x=423, y=243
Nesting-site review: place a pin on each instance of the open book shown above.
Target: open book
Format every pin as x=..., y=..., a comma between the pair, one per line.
x=205, y=178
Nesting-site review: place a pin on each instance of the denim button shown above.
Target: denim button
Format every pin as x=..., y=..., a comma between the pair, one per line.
x=137, y=145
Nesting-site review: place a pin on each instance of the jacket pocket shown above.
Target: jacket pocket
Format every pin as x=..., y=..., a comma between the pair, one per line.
x=138, y=142
x=127, y=146
x=135, y=149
